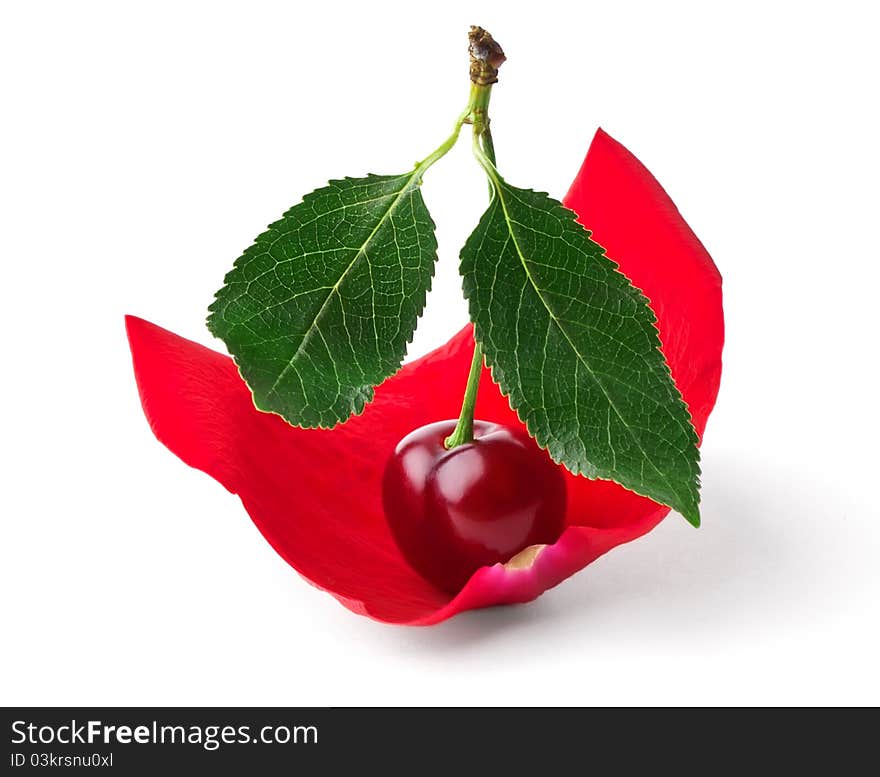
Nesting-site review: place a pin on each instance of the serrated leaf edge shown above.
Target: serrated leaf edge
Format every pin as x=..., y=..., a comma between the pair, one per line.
x=366, y=393
x=547, y=444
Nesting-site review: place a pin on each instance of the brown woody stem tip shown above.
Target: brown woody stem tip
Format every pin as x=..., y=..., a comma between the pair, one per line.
x=486, y=57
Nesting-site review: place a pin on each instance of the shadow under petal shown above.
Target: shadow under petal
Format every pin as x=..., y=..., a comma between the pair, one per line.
x=747, y=568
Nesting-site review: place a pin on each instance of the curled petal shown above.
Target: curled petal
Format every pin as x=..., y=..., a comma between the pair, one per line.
x=316, y=494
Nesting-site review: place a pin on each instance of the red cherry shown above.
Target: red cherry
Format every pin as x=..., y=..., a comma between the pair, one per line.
x=453, y=511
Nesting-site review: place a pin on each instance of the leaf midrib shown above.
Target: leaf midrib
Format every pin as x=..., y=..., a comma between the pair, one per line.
x=334, y=289
x=499, y=188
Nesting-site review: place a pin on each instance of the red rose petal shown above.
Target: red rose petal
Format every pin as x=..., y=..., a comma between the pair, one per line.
x=316, y=495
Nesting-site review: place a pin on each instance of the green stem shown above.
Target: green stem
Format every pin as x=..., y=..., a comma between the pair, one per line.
x=478, y=107
x=445, y=146
x=488, y=145
x=485, y=154
x=486, y=57
x=488, y=150
x=464, y=429
x=479, y=115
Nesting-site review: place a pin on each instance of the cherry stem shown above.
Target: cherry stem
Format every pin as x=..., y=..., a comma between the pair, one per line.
x=464, y=429
x=486, y=57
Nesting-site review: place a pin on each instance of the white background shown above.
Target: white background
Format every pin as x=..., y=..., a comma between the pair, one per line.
x=144, y=145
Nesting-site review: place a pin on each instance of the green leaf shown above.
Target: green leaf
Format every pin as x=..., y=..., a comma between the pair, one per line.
x=321, y=307
x=575, y=347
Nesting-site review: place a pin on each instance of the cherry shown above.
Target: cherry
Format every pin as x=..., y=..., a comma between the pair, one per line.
x=452, y=511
